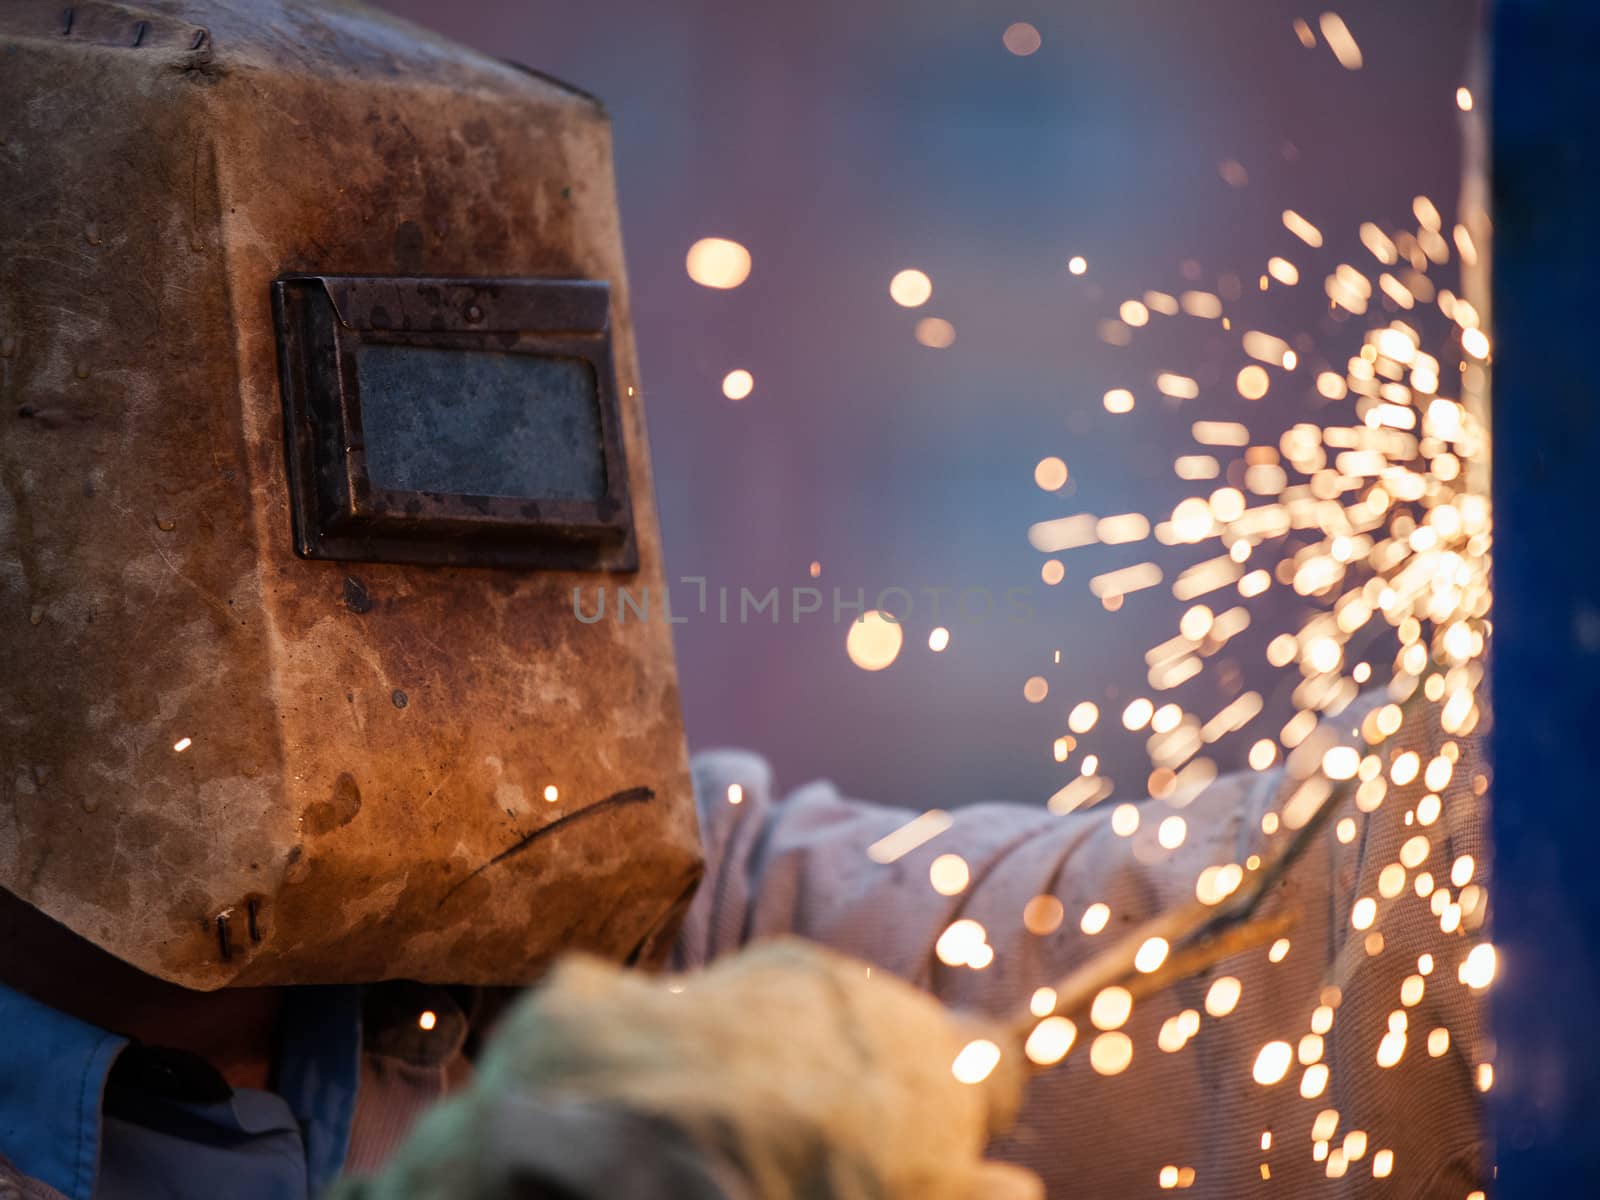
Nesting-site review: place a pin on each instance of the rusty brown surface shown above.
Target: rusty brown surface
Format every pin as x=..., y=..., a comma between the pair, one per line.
x=354, y=768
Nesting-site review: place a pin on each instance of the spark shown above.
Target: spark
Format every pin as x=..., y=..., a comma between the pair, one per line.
x=1477, y=971
x=1179, y=387
x=1022, y=39
x=1220, y=433
x=1127, y=579
x=976, y=1061
x=935, y=333
x=1252, y=382
x=1340, y=41
x=910, y=288
x=1085, y=790
x=1325, y=1125
x=1110, y=1053
x=1151, y=954
x=1171, y=832
x=1128, y=527
x=1272, y=1063
x=874, y=641
x=1050, y=1040
x=915, y=832
x=1043, y=915
x=1175, y=1032
x=1302, y=228
x=1050, y=474
x=1063, y=533
x=1196, y=466
x=1094, y=918
x=716, y=262
x=960, y=942
x=949, y=874
x=1111, y=1008
x=1223, y=996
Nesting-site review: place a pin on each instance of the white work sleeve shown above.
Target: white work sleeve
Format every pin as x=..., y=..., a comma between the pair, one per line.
x=799, y=864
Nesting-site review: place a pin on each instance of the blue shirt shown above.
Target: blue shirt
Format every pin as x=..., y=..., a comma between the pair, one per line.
x=62, y=1124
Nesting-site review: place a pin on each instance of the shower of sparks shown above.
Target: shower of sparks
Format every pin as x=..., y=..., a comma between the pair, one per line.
x=1356, y=485
x=1374, y=514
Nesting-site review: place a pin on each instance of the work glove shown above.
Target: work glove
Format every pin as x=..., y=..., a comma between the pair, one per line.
x=785, y=1072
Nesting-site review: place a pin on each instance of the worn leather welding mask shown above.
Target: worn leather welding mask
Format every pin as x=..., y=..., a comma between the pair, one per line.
x=320, y=400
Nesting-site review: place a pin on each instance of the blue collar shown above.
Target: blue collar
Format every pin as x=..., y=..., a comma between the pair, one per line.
x=52, y=1074
x=53, y=1071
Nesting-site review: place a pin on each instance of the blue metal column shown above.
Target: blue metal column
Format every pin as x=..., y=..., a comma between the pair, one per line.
x=1546, y=649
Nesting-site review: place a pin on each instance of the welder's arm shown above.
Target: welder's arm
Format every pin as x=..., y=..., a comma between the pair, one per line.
x=784, y=1072
x=800, y=864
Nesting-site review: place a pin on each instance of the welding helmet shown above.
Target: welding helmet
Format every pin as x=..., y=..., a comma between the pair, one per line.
x=320, y=403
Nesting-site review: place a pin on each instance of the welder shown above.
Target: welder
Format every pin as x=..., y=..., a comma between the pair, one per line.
x=319, y=401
